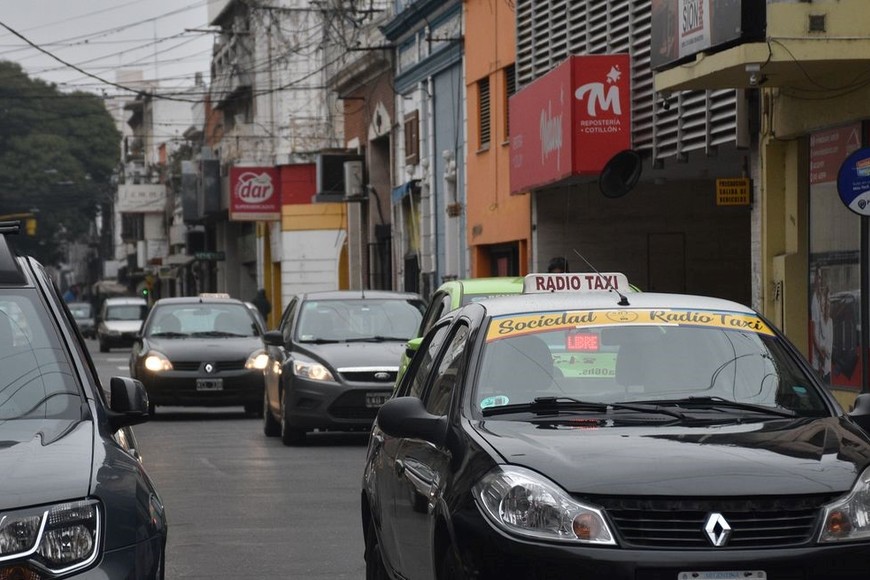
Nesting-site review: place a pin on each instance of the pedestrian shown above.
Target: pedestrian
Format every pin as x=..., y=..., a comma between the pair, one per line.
x=557, y=265
x=262, y=303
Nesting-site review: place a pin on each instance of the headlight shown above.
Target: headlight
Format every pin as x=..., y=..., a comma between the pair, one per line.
x=157, y=362
x=59, y=538
x=311, y=370
x=525, y=503
x=849, y=518
x=257, y=361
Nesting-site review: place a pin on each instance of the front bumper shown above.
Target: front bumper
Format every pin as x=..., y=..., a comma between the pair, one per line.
x=335, y=406
x=492, y=554
x=123, y=339
x=238, y=387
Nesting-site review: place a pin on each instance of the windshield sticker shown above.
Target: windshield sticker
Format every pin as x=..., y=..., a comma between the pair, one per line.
x=496, y=401
x=507, y=326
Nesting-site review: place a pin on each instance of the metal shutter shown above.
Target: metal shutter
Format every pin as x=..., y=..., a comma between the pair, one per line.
x=548, y=31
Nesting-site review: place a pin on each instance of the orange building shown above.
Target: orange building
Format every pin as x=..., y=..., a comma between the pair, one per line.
x=499, y=224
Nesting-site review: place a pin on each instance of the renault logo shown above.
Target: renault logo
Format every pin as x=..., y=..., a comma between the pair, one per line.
x=718, y=529
x=209, y=368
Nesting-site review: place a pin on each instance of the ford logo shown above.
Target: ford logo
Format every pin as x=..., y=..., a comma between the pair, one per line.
x=382, y=376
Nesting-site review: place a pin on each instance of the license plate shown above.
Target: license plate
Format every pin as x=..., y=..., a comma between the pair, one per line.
x=722, y=575
x=209, y=384
x=375, y=400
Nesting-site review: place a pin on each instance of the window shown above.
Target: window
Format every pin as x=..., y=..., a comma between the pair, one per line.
x=449, y=371
x=510, y=88
x=417, y=374
x=412, y=138
x=485, y=112
x=132, y=227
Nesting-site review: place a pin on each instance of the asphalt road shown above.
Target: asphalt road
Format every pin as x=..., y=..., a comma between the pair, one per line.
x=241, y=505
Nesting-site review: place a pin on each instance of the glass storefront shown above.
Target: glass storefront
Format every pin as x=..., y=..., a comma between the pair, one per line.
x=834, y=263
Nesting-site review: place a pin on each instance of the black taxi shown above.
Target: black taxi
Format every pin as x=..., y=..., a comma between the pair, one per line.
x=583, y=431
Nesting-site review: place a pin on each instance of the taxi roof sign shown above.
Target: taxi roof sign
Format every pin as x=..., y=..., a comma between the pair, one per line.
x=214, y=295
x=579, y=282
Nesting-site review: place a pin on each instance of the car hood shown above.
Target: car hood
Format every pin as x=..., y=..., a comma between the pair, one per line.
x=123, y=325
x=205, y=349
x=44, y=461
x=355, y=354
x=775, y=457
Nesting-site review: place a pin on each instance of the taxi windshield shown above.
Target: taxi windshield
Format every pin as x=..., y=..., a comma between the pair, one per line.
x=202, y=320
x=639, y=355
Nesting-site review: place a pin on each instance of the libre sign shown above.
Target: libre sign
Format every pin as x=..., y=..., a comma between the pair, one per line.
x=571, y=121
x=254, y=194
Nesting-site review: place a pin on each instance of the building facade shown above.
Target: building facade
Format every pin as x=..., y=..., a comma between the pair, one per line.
x=812, y=109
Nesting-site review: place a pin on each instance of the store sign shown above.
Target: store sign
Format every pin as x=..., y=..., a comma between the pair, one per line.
x=254, y=194
x=683, y=28
x=141, y=198
x=853, y=182
x=571, y=121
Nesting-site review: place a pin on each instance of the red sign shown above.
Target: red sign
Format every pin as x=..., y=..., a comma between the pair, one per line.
x=254, y=194
x=571, y=121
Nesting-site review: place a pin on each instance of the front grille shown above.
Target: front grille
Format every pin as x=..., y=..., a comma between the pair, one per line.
x=385, y=376
x=759, y=522
x=220, y=366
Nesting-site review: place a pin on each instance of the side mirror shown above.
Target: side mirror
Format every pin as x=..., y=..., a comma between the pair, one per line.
x=274, y=338
x=406, y=417
x=860, y=412
x=129, y=402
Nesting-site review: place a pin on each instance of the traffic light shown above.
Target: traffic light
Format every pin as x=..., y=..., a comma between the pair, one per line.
x=30, y=226
x=145, y=291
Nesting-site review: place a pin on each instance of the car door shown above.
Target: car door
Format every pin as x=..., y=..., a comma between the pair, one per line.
x=422, y=467
x=277, y=355
x=383, y=474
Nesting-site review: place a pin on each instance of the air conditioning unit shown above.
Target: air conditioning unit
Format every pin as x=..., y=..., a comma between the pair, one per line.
x=354, y=188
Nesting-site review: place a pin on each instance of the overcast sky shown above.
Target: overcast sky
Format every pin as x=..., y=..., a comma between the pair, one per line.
x=165, y=39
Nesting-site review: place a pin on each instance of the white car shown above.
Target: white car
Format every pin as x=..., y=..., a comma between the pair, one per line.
x=119, y=321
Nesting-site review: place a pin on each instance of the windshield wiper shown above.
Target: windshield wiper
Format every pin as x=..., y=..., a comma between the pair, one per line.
x=217, y=334
x=378, y=339
x=714, y=402
x=169, y=334
x=321, y=341
x=546, y=405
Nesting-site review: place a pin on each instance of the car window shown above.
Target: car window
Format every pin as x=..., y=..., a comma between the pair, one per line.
x=641, y=355
x=126, y=312
x=80, y=310
x=286, y=320
x=357, y=319
x=36, y=378
x=437, y=399
x=438, y=306
x=423, y=363
x=202, y=319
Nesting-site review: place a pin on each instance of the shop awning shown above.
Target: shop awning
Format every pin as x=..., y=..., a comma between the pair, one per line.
x=401, y=191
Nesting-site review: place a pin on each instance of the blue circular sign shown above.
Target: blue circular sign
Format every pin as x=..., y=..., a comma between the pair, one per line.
x=853, y=181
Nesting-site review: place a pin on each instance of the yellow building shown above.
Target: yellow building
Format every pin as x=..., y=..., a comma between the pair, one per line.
x=808, y=87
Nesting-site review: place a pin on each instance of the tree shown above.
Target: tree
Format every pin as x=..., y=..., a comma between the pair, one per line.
x=58, y=152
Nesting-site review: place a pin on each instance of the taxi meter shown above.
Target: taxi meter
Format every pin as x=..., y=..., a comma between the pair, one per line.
x=579, y=282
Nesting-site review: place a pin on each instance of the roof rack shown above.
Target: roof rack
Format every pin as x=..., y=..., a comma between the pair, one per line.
x=10, y=271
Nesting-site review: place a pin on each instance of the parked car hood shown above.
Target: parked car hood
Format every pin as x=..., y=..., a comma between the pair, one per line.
x=790, y=456
x=44, y=461
x=204, y=349
x=355, y=354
